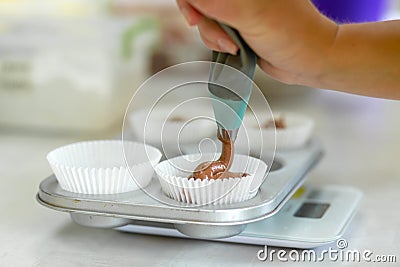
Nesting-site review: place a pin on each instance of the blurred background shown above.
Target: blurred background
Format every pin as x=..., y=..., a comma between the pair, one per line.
x=70, y=67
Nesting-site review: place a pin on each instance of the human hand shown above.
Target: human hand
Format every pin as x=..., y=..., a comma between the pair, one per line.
x=291, y=38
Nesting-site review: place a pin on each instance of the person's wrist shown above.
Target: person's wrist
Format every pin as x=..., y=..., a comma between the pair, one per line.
x=325, y=36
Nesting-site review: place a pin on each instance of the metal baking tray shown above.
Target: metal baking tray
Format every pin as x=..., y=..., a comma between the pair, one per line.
x=212, y=221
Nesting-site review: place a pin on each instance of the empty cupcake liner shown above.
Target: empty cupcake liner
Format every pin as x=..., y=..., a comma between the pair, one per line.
x=160, y=126
x=173, y=175
x=99, y=167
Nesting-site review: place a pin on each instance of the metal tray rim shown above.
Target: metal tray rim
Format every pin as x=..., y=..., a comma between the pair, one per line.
x=234, y=214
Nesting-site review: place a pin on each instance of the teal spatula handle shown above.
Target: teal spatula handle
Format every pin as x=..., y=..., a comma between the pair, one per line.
x=231, y=90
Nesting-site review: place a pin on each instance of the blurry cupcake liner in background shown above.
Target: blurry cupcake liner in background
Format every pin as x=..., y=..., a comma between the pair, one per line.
x=295, y=133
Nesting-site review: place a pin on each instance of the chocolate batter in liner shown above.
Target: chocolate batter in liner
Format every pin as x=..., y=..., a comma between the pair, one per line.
x=279, y=123
x=219, y=169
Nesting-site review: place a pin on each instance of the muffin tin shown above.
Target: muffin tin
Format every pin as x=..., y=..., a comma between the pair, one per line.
x=287, y=173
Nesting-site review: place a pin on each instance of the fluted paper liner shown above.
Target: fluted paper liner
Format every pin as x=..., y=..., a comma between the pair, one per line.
x=99, y=167
x=173, y=175
x=160, y=129
x=295, y=135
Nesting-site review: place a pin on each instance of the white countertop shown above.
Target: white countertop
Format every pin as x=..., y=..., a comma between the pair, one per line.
x=361, y=137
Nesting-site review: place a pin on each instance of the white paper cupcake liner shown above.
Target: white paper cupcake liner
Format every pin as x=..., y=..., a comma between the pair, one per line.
x=173, y=175
x=99, y=167
x=295, y=135
x=156, y=126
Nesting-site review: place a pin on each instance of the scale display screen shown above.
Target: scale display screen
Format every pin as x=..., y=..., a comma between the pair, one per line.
x=312, y=210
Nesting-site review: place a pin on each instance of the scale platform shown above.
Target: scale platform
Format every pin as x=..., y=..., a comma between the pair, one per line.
x=207, y=222
x=313, y=217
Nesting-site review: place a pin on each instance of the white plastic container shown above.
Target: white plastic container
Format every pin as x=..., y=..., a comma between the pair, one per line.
x=72, y=74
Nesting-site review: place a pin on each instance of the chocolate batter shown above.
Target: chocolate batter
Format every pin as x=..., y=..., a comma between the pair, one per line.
x=220, y=168
x=176, y=119
x=279, y=123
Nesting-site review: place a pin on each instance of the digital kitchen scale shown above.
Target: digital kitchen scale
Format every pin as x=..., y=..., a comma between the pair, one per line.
x=313, y=217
